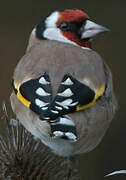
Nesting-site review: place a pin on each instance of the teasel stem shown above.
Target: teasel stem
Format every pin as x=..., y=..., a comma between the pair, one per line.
x=24, y=158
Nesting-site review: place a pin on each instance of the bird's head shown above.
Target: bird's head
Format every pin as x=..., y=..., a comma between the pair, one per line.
x=69, y=26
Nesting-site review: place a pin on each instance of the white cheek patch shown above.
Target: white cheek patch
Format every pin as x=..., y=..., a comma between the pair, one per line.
x=55, y=34
x=52, y=19
x=52, y=32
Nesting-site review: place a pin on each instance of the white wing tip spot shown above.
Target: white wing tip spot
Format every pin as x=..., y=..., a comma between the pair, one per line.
x=58, y=133
x=71, y=136
x=66, y=121
x=59, y=108
x=40, y=103
x=55, y=112
x=66, y=103
x=67, y=82
x=42, y=92
x=42, y=80
x=47, y=118
x=44, y=108
x=66, y=93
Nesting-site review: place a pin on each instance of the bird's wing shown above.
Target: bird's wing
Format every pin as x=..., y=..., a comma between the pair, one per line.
x=72, y=96
x=35, y=94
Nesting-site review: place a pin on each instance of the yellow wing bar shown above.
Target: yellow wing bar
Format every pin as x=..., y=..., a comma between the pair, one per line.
x=98, y=93
x=20, y=97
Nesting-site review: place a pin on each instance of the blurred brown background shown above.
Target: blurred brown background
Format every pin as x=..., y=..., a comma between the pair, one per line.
x=17, y=18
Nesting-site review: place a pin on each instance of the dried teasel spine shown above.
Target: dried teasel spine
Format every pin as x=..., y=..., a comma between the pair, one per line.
x=24, y=158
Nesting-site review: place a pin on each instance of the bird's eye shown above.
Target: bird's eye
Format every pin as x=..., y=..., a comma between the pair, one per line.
x=64, y=26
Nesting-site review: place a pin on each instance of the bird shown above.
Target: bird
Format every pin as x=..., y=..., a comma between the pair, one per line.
x=62, y=89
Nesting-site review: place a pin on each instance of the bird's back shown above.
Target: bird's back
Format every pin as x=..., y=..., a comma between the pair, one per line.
x=58, y=59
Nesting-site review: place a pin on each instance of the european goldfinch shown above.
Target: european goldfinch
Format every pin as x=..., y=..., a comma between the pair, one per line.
x=62, y=89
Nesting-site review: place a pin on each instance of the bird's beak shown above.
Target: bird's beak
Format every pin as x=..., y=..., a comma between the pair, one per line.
x=91, y=29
